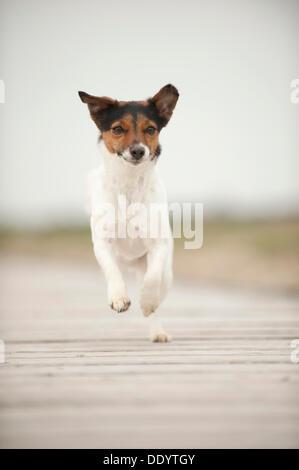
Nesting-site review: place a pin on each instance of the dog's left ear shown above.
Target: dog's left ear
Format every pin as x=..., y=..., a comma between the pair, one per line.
x=96, y=104
x=165, y=101
x=98, y=107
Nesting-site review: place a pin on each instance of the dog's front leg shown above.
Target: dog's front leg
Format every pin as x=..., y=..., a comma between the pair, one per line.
x=151, y=294
x=117, y=296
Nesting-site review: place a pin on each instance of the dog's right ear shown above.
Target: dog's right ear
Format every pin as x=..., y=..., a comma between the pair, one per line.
x=96, y=104
x=165, y=101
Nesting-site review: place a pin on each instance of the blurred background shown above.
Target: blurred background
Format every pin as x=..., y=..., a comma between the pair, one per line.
x=232, y=143
x=77, y=375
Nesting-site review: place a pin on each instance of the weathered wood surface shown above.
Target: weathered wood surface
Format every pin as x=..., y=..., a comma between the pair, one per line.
x=78, y=375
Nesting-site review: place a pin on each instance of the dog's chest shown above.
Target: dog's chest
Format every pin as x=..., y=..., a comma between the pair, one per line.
x=127, y=197
x=132, y=209
x=125, y=214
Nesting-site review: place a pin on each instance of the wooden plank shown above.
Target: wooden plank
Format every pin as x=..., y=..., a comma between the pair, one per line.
x=77, y=375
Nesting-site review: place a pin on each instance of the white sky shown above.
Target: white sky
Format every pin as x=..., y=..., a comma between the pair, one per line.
x=233, y=140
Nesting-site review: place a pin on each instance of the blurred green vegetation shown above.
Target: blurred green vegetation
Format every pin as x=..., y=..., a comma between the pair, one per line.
x=60, y=242
x=252, y=252
x=279, y=236
x=273, y=236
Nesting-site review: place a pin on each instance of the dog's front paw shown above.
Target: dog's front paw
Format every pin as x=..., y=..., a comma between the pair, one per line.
x=160, y=337
x=120, y=304
x=117, y=297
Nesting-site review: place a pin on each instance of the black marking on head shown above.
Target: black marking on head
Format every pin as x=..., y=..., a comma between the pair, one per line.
x=116, y=112
x=155, y=155
x=158, y=151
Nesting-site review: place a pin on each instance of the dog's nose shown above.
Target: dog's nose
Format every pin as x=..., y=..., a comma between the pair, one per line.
x=137, y=151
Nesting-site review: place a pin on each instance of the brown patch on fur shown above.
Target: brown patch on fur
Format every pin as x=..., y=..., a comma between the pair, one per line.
x=118, y=143
x=152, y=141
x=123, y=103
x=133, y=132
x=143, y=103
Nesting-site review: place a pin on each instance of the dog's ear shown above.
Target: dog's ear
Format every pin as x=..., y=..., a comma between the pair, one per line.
x=165, y=101
x=96, y=104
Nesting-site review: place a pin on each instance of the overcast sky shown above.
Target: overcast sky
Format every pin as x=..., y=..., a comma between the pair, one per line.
x=233, y=140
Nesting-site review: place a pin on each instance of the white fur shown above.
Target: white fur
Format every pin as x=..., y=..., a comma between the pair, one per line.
x=150, y=257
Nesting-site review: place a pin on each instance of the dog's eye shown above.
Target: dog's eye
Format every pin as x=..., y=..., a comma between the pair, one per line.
x=117, y=130
x=150, y=130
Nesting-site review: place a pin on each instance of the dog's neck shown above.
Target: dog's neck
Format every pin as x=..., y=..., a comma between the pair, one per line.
x=122, y=175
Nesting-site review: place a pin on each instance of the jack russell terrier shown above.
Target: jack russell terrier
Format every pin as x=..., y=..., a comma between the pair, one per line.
x=129, y=143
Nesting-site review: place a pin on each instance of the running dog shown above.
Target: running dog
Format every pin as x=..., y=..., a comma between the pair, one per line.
x=129, y=144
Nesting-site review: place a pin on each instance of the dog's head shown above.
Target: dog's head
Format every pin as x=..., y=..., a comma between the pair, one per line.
x=130, y=129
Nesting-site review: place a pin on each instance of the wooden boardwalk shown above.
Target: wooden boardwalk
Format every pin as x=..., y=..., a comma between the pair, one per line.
x=78, y=375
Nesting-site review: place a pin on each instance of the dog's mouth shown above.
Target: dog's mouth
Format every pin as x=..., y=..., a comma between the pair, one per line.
x=135, y=162
x=132, y=160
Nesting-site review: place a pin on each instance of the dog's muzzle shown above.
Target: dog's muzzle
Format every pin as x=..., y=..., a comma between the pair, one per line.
x=137, y=151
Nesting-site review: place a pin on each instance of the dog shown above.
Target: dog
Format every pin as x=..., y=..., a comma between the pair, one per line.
x=129, y=144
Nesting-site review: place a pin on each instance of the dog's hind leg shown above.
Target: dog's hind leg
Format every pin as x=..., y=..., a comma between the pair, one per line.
x=156, y=282
x=157, y=333
x=167, y=277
